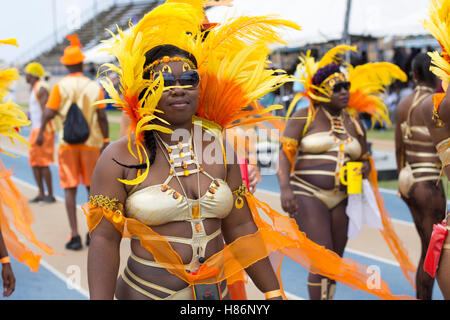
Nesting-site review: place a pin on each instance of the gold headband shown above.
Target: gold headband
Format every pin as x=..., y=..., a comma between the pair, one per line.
x=331, y=80
x=188, y=64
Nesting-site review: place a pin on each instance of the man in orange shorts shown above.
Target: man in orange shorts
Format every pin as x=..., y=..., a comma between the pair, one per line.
x=76, y=161
x=40, y=157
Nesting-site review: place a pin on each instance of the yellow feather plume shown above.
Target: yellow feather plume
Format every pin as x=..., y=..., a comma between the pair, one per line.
x=335, y=55
x=368, y=82
x=11, y=117
x=438, y=25
x=11, y=41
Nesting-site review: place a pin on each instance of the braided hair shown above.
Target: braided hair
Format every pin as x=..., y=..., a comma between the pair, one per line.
x=421, y=68
x=152, y=55
x=324, y=73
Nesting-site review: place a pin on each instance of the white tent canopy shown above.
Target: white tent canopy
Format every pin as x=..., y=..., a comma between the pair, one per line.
x=323, y=20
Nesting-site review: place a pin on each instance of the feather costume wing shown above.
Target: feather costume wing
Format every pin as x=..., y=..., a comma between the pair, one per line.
x=11, y=117
x=233, y=58
x=368, y=83
x=335, y=55
x=18, y=214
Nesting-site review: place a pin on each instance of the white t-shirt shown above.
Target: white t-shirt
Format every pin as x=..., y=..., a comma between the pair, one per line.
x=34, y=106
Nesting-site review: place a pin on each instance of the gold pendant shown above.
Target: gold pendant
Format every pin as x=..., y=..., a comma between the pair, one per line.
x=195, y=211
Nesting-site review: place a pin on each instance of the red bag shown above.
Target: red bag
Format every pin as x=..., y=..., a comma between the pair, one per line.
x=244, y=171
x=438, y=237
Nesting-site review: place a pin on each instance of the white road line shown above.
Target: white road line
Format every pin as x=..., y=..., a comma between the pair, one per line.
x=373, y=257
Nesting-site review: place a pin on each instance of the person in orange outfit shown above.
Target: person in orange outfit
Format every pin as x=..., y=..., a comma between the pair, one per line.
x=77, y=161
x=40, y=157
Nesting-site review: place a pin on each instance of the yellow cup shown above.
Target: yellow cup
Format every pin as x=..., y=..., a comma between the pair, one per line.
x=354, y=177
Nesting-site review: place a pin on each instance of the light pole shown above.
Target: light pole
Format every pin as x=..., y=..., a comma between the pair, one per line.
x=345, y=35
x=55, y=28
x=95, y=20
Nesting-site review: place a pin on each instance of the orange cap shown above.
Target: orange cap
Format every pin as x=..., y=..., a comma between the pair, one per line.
x=73, y=54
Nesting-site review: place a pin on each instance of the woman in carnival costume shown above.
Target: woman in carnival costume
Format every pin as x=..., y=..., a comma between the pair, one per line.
x=419, y=167
x=194, y=227
x=17, y=213
x=436, y=114
x=318, y=142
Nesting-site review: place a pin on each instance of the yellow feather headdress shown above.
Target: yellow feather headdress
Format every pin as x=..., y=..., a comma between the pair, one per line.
x=308, y=67
x=438, y=25
x=11, y=117
x=367, y=83
x=232, y=59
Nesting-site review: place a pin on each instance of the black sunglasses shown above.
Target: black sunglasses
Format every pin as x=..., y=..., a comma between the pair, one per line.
x=188, y=78
x=341, y=85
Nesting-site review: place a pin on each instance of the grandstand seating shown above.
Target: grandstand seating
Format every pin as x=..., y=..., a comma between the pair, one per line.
x=94, y=30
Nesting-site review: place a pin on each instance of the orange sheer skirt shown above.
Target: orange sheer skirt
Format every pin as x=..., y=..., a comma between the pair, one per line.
x=277, y=235
x=15, y=212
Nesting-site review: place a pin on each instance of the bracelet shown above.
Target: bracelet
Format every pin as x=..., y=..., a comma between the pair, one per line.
x=5, y=260
x=106, y=140
x=273, y=294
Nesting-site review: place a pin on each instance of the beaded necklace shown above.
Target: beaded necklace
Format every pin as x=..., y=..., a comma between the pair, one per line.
x=338, y=128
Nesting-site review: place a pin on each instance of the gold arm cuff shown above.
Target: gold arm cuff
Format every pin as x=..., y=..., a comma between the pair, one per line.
x=105, y=202
x=365, y=156
x=289, y=141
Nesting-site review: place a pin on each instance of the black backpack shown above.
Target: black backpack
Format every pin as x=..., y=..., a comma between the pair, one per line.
x=76, y=128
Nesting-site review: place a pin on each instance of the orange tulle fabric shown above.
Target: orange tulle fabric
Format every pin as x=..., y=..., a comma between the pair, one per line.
x=19, y=216
x=277, y=236
x=392, y=240
x=437, y=100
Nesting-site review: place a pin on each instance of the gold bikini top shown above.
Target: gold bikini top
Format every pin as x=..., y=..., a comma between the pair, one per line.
x=326, y=141
x=160, y=204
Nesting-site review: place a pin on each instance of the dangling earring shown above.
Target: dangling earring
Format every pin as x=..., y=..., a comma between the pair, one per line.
x=166, y=69
x=186, y=67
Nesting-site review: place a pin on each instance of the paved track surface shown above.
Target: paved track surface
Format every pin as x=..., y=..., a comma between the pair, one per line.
x=58, y=274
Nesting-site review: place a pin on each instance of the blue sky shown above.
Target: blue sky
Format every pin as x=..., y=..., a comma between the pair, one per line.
x=32, y=21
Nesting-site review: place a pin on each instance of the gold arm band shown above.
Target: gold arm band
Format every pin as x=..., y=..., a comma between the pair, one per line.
x=107, y=203
x=5, y=260
x=273, y=294
x=289, y=141
x=365, y=156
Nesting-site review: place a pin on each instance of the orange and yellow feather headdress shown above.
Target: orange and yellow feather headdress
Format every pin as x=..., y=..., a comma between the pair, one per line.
x=232, y=59
x=367, y=82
